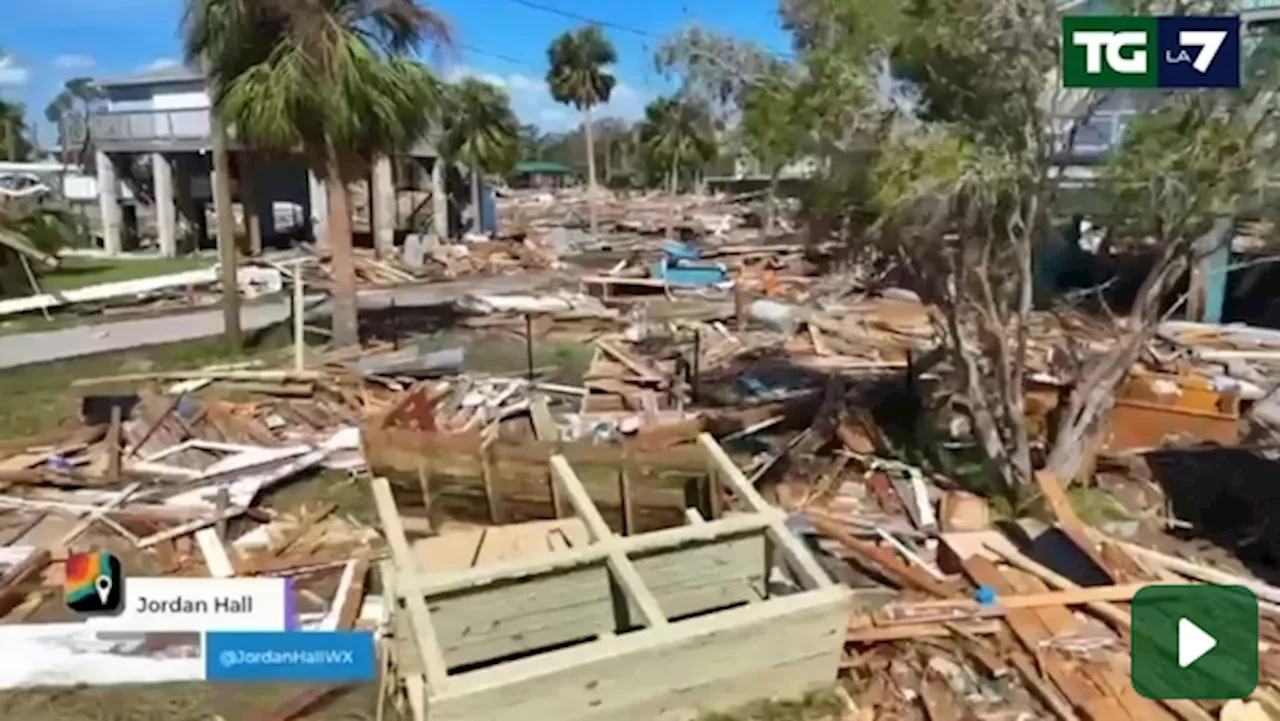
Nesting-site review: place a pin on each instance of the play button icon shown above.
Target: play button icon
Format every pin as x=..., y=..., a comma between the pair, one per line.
x=1193, y=643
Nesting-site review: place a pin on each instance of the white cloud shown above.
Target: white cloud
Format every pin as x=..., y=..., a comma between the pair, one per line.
x=72, y=61
x=12, y=74
x=159, y=64
x=532, y=101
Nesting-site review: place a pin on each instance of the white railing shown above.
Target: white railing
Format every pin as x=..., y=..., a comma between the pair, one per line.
x=149, y=126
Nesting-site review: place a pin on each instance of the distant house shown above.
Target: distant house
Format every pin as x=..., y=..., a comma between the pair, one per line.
x=542, y=174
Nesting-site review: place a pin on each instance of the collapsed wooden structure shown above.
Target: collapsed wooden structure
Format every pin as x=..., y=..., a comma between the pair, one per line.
x=655, y=626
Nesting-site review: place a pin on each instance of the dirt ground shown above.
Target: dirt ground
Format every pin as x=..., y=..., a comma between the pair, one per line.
x=184, y=702
x=249, y=702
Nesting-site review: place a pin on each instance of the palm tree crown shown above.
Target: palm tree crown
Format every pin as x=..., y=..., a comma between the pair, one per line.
x=577, y=77
x=577, y=74
x=677, y=133
x=480, y=131
x=334, y=78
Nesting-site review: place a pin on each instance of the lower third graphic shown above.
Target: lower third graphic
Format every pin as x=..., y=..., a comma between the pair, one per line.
x=308, y=656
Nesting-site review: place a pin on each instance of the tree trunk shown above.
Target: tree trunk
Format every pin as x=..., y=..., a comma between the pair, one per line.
x=62, y=139
x=608, y=163
x=477, y=224
x=249, y=202
x=591, y=172
x=346, y=322
x=226, y=231
x=673, y=186
x=771, y=208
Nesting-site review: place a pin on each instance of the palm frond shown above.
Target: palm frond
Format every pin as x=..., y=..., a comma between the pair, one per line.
x=577, y=62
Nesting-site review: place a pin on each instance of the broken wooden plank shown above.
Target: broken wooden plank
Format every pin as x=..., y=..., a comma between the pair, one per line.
x=20, y=575
x=935, y=611
x=628, y=361
x=1094, y=703
x=869, y=634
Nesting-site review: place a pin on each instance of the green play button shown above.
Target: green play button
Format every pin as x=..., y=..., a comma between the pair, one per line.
x=1195, y=642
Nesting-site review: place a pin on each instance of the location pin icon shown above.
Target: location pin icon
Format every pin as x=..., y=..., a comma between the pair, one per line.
x=103, y=586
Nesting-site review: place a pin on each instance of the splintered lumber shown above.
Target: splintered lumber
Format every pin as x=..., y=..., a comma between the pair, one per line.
x=946, y=610
x=19, y=576
x=1043, y=691
x=905, y=631
x=883, y=560
x=629, y=361
x=264, y=376
x=1070, y=523
x=1114, y=615
x=1104, y=674
x=1196, y=570
x=1093, y=702
x=1118, y=617
x=301, y=703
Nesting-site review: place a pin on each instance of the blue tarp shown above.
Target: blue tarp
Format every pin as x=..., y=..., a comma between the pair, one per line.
x=688, y=275
x=679, y=251
x=488, y=211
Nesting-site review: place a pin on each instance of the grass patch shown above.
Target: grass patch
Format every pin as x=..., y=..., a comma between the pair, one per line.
x=1095, y=506
x=39, y=397
x=192, y=701
x=76, y=272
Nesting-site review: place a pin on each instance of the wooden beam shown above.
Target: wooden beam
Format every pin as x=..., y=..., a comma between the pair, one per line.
x=1112, y=614
x=486, y=476
x=621, y=566
x=114, y=443
x=964, y=609
x=868, y=634
x=425, y=634
x=1069, y=523
x=667, y=538
x=20, y=576
x=806, y=568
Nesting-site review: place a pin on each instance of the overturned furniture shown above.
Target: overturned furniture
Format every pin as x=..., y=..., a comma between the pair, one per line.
x=656, y=626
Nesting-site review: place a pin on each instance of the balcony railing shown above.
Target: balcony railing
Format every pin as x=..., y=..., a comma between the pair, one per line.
x=161, y=130
x=146, y=127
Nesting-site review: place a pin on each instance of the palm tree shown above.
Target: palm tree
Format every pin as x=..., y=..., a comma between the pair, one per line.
x=71, y=105
x=481, y=132
x=577, y=77
x=677, y=133
x=333, y=78
x=14, y=145
x=31, y=234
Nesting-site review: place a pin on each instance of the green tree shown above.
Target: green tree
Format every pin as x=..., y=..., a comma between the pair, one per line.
x=481, y=132
x=578, y=76
x=70, y=108
x=332, y=77
x=677, y=134
x=14, y=145
x=32, y=232
x=533, y=142
x=773, y=130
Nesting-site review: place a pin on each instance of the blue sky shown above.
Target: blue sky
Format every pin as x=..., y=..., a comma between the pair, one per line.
x=504, y=41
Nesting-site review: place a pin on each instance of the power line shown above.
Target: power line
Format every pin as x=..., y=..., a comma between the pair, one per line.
x=619, y=26
x=497, y=56
x=587, y=19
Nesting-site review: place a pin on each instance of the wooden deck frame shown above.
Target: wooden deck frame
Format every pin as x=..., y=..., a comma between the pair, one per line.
x=659, y=625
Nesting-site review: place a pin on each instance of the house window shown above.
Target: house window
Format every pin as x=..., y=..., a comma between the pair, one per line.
x=1095, y=134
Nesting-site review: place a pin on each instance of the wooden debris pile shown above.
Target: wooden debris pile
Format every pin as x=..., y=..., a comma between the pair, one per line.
x=441, y=262
x=535, y=212
x=958, y=620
